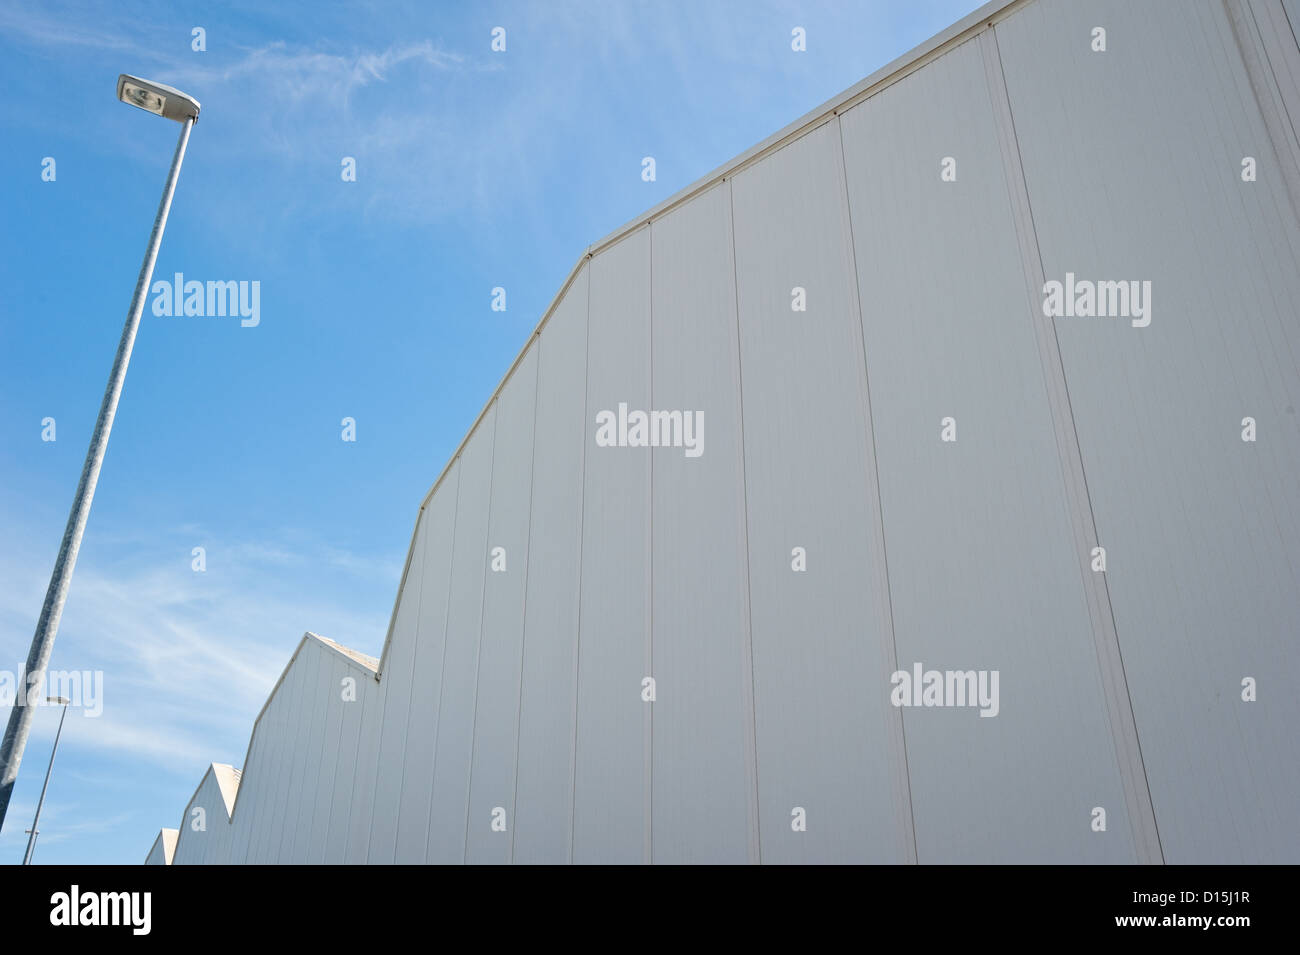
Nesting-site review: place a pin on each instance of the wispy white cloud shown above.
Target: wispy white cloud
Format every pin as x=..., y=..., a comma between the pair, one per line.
x=60, y=822
x=188, y=658
x=292, y=76
x=39, y=28
x=59, y=829
x=297, y=102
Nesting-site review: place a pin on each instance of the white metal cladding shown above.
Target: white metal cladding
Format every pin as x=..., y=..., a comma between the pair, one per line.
x=550, y=575
x=329, y=768
x=611, y=776
x=983, y=567
x=542, y=803
x=704, y=801
x=309, y=691
x=448, y=808
x=400, y=817
x=361, y=807
x=820, y=637
x=496, y=704
x=1201, y=529
x=163, y=849
x=201, y=839
x=346, y=808
x=299, y=732
x=412, y=700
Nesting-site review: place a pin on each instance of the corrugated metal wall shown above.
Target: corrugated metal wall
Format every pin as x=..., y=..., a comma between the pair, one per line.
x=827, y=536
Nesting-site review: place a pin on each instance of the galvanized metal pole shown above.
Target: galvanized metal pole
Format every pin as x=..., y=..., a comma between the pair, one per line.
x=31, y=840
x=20, y=718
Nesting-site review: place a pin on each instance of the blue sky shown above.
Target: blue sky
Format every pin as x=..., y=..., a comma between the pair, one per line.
x=475, y=169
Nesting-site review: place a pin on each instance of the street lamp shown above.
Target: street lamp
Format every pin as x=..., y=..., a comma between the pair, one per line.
x=34, y=832
x=167, y=101
x=170, y=104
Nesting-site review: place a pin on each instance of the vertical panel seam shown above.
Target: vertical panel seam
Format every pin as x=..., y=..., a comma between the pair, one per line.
x=1268, y=58
x=649, y=659
x=303, y=848
x=582, y=514
x=371, y=702
x=272, y=821
x=268, y=746
x=338, y=753
x=896, y=722
x=1101, y=611
x=478, y=646
x=523, y=609
x=749, y=689
x=442, y=670
x=379, y=742
x=1254, y=57
x=379, y=732
x=327, y=663
x=309, y=817
x=295, y=723
x=1295, y=32
x=301, y=729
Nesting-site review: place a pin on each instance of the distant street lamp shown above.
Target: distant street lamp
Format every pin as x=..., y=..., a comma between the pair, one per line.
x=170, y=104
x=34, y=831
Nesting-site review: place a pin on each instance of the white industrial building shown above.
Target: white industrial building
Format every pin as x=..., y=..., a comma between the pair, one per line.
x=890, y=461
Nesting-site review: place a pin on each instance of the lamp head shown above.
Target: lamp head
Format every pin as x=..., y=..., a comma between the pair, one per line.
x=165, y=101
